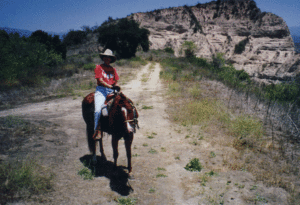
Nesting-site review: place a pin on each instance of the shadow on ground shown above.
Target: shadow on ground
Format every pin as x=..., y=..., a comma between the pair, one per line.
x=103, y=168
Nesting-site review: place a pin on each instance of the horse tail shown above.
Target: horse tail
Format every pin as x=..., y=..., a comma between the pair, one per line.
x=88, y=116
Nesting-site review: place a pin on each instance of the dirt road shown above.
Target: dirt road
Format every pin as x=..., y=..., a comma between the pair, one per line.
x=160, y=150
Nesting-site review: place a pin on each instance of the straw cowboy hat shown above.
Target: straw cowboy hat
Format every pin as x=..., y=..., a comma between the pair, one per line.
x=108, y=53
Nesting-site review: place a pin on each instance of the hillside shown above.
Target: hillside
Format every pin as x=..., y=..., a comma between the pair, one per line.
x=268, y=52
x=266, y=47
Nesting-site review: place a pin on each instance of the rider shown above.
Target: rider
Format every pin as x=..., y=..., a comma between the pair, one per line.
x=107, y=79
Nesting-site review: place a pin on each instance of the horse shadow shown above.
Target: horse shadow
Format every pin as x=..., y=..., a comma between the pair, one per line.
x=103, y=168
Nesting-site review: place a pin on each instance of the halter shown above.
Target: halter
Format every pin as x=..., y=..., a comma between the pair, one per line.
x=135, y=120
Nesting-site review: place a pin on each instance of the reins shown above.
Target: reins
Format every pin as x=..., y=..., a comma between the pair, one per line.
x=135, y=120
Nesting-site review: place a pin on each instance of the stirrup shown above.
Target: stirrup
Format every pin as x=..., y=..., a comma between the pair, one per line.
x=97, y=135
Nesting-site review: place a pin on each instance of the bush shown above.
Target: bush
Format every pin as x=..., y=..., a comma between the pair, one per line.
x=240, y=47
x=23, y=179
x=24, y=61
x=74, y=37
x=123, y=36
x=169, y=50
x=52, y=43
x=89, y=66
x=194, y=165
x=189, y=49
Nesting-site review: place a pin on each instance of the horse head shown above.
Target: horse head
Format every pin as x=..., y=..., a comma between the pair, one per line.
x=123, y=114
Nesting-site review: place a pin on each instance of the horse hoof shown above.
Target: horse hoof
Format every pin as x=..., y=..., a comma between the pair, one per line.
x=94, y=159
x=131, y=176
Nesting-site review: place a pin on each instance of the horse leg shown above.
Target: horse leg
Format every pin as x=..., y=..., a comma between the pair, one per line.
x=128, y=143
x=101, y=146
x=115, y=144
x=94, y=154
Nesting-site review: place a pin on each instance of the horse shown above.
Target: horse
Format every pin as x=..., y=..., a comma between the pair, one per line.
x=120, y=122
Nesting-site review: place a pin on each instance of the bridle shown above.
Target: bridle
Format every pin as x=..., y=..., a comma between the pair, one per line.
x=133, y=108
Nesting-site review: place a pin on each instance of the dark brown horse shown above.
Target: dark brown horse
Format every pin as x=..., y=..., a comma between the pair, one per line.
x=120, y=122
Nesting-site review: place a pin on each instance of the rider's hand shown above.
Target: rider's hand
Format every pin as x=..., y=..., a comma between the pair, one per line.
x=117, y=88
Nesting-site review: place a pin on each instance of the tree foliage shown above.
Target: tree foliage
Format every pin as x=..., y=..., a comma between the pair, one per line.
x=74, y=37
x=24, y=60
x=52, y=43
x=189, y=49
x=123, y=36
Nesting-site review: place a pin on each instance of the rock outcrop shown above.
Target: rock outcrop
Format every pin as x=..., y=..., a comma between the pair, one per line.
x=218, y=27
x=258, y=42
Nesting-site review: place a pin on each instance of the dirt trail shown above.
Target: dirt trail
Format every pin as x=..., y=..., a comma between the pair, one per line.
x=160, y=154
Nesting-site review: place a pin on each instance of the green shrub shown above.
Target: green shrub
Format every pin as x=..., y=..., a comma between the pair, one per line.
x=123, y=36
x=240, y=47
x=23, y=179
x=74, y=37
x=189, y=49
x=89, y=66
x=169, y=50
x=126, y=201
x=194, y=165
x=27, y=61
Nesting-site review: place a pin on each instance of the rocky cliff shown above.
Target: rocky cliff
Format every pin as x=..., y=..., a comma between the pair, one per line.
x=258, y=42
x=219, y=26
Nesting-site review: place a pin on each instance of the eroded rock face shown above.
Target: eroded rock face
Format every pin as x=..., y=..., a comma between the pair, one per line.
x=217, y=27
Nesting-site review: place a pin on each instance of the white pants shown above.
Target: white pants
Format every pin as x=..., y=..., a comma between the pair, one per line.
x=100, y=97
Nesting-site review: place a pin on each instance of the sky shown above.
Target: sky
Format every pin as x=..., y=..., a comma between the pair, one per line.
x=63, y=15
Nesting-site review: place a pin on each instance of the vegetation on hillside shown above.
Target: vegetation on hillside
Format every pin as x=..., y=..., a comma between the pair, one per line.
x=26, y=61
x=264, y=146
x=123, y=36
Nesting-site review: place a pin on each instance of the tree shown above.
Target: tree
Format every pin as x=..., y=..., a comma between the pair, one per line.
x=189, y=49
x=51, y=43
x=74, y=37
x=123, y=37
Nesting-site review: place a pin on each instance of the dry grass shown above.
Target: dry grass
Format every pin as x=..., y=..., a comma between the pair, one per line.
x=242, y=138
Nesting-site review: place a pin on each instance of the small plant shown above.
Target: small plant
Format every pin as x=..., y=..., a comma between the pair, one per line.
x=145, y=145
x=254, y=187
x=212, y=154
x=145, y=107
x=177, y=158
x=152, y=151
x=169, y=50
x=161, y=175
x=126, y=201
x=136, y=155
x=260, y=199
x=194, y=165
x=161, y=169
x=194, y=143
x=203, y=179
x=163, y=149
x=86, y=173
x=152, y=135
x=89, y=66
x=212, y=173
x=241, y=186
x=151, y=190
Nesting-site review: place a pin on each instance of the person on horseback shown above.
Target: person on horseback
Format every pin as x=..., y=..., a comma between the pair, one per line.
x=107, y=81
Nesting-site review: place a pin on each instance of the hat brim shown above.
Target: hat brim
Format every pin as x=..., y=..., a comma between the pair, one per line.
x=113, y=58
